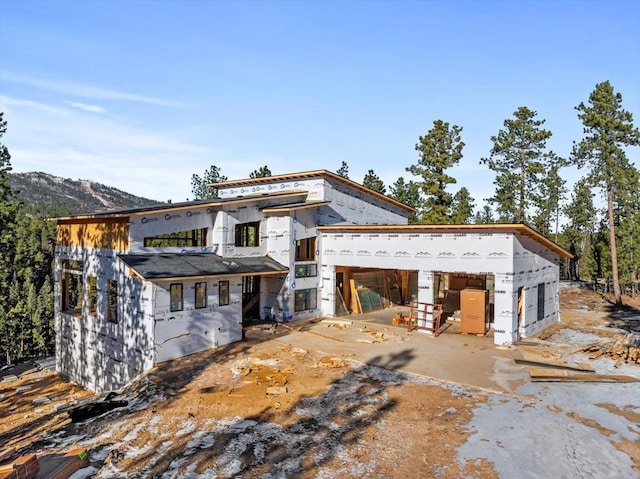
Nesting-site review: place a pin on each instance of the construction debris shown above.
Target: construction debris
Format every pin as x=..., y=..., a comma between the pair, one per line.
x=625, y=348
x=554, y=375
x=95, y=408
x=549, y=363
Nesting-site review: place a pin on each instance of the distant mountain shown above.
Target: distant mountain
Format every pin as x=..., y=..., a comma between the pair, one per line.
x=51, y=195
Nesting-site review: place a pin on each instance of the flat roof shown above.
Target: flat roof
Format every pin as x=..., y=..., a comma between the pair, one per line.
x=176, y=266
x=514, y=227
x=305, y=175
x=185, y=205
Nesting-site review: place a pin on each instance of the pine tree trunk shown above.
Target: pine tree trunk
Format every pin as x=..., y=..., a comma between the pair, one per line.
x=614, y=251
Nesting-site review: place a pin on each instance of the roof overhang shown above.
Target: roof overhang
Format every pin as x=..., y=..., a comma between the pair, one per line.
x=182, y=266
x=479, y=228
x=294, y=206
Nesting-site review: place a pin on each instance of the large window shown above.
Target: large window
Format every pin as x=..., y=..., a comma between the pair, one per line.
x=179, y=239
x=306, y=299
x=223, y=293
x=248, y=234
x=306, y=270
x=306, y=249
x=72, y=290
x=176, y=297
x=93, y=294
x=540, y=301
x=201, y=295
x=112, y=310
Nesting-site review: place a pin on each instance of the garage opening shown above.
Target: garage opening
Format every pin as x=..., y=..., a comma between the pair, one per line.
x=466, y=298
x=363, y=290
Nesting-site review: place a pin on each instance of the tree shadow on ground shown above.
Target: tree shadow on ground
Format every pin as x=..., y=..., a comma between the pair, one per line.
x=310, y=434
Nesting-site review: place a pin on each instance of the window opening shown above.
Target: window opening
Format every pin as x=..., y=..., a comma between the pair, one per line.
x=201, y=295
x=306, y=249
x=179, y=239
x=176, y=297
x=247, y=234
x=306, y=299
x=223, y=293
x=112, y=311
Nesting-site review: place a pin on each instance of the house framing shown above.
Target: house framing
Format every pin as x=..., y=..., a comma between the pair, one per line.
x=141, y=286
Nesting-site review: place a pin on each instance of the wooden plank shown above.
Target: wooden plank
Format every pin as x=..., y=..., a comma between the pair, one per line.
x=341, y=307
x=531, y=361
x=562, y=375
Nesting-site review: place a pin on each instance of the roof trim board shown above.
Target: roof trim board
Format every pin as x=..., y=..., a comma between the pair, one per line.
x=518, y=228
x=294, y=206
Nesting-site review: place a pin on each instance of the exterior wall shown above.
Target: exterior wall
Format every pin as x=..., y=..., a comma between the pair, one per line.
x=535, y=266
x=180, y=333
x=476, y=253
x=153, y=224
x=348, y=205
x=110, y=233
x=90, y=350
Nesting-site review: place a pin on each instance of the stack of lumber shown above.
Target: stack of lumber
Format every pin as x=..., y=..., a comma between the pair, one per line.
x=624, y=348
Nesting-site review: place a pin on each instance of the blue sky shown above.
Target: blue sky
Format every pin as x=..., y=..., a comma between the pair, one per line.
x=141, y=94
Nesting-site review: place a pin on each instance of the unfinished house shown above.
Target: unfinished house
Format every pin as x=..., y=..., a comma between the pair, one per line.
x=142, y=286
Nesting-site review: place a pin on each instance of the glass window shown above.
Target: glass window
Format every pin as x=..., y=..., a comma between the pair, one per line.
x=306, y=249
x=93, y=293
x=247, y=234
x=180, y=239
x=306, y=299
x=176, y=297
x=223, y=293
x=540, y=301
x=306, y=270
x=112, y=311
x=201, y=295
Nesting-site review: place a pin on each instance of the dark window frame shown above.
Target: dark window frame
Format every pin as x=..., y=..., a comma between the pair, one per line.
x=200, y=301
x=223, y=292
x=305, y=299
x=112, y=301
x=173, y=306
x=541, y=301
x=179, y=239
x=308, y=270
x=247, y=234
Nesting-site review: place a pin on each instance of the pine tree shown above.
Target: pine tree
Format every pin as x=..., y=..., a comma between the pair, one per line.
x=407, y=194
x=373, y=182
x=485, y=216
x=200, y=184
x=548, y=198
x=577, y=233
x=608, y=129
x=519, y=159
x=261, y=172
x=438, y=150
x=9, y=207
x=343, y=170
x=462, y=207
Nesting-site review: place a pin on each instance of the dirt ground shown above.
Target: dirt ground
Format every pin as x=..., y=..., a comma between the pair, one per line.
x=266, y=408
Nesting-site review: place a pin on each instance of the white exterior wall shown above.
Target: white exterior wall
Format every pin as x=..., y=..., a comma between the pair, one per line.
x=90, y=350
x=180, y=333
x=348, y=205
x=535, y=265
x=153, y=224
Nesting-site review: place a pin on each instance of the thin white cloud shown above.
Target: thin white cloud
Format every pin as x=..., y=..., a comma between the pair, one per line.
x=89, y=108
x=7, y=102
x=87, y=91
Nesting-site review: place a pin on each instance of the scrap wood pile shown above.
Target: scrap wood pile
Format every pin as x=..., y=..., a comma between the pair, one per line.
x=624, y=348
